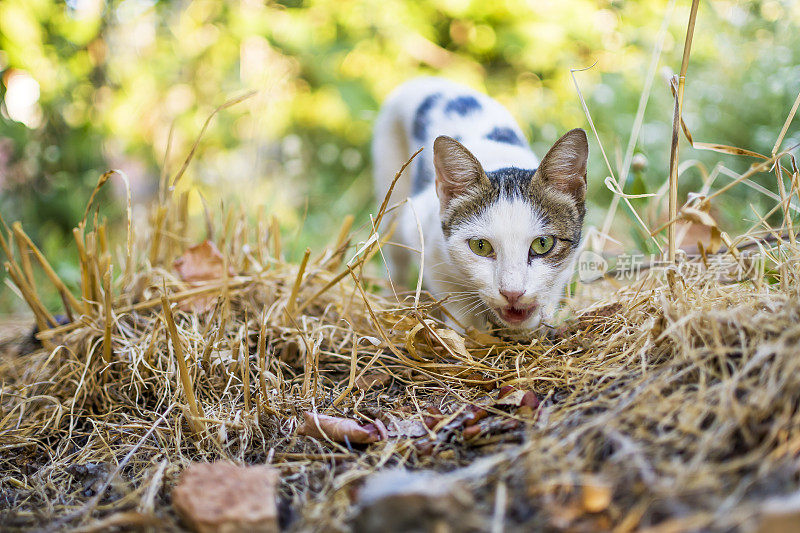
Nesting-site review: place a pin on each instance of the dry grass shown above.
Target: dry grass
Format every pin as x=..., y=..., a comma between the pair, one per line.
x=677, y=394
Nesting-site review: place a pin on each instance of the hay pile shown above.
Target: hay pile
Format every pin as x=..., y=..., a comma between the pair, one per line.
x=674, y=400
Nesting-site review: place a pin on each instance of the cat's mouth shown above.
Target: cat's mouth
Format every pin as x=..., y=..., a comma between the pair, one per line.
x=516, y=315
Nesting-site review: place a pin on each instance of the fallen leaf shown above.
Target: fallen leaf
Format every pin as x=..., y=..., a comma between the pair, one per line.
x=426, y=334
x=372, y=379
x=489, y=426
x=512, y=397
x=341, y=429
x=425, y=447
x=473, y=415
x=485, y=384
x=504, y=391
x=715, y=242
x=693, y=214
x=529, y=399
x=482, y=338
x=700, y=215
x=405, y=427
x=380, y=427
x=411, y=336
x=372, y=340
x=203, y=262
x=433, y=417
x=454, y=341
x=517, y=398
x=472, y=432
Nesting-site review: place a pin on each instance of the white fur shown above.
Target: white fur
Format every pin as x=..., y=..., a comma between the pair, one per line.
x=473, y=283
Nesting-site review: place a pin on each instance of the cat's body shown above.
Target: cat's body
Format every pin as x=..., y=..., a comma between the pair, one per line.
x=483, y=208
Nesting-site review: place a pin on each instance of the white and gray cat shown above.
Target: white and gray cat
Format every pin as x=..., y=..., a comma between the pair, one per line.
x=500, y=229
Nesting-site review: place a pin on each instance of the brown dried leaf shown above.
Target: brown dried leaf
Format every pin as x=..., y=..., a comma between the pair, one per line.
x=716, y=240
x=454, y=341
x=411, y=338
x=433, y=417
x=491, y=426
x=203, y=262
x=471, y=432
x=482, y=338
x=340, y=429
x=505, y=390
x=700, y=216
x=473, y=415
x=405, y=427
x=371, y=380
x=529, y=399
x=513, y=398
x=485, y=384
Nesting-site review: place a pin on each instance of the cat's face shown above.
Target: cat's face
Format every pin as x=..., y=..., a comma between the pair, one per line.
x=511, y=234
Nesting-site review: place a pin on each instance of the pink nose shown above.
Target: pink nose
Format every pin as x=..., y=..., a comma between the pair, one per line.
x=512, y=296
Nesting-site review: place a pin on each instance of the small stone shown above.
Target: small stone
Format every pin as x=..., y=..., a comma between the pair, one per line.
x=529, y=399
x=779, y=515
x=474, y=415
x=399, y=500
x=596, y=495
x=227, y=498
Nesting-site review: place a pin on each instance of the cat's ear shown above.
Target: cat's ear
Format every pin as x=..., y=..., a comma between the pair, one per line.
x=457, y=170
x=564, y=166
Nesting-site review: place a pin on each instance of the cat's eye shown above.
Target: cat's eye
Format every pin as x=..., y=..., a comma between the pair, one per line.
x=542, y=245
x=481, y=247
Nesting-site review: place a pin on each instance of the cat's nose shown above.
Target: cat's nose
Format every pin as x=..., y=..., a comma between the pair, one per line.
x=512, y=296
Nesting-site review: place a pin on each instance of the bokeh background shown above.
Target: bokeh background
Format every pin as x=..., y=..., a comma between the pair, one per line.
x=88, y=85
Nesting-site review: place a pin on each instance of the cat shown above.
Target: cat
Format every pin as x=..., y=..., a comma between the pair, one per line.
x=501, y=230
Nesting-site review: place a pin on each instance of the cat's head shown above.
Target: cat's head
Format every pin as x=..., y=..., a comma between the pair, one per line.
x=511, y=234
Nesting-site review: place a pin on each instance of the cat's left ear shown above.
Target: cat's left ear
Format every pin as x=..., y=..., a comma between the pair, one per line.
x=457, y=170
x=564, y=166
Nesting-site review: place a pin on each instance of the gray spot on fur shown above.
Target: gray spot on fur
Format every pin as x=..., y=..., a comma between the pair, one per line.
x=462, y=105
x=421, y=116
x=422, y=174
x=504, y=135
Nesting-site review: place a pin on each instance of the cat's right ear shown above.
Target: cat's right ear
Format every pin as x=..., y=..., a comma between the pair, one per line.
x=564, y=166
x=457, y=170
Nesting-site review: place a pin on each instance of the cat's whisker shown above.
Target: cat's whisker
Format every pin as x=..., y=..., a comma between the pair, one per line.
x=461, y=300
x=462, y=292
x=456, y=295
x=452, y=282
x=466, y=306
x=472, y=307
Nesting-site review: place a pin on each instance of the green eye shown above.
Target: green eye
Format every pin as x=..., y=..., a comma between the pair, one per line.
x=542, y=245
x=481, y=247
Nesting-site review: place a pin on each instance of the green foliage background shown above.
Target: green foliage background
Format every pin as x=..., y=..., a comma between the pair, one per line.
x=114, y=76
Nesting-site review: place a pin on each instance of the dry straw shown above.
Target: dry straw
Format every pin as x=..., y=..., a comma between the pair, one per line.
x=668, y=401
